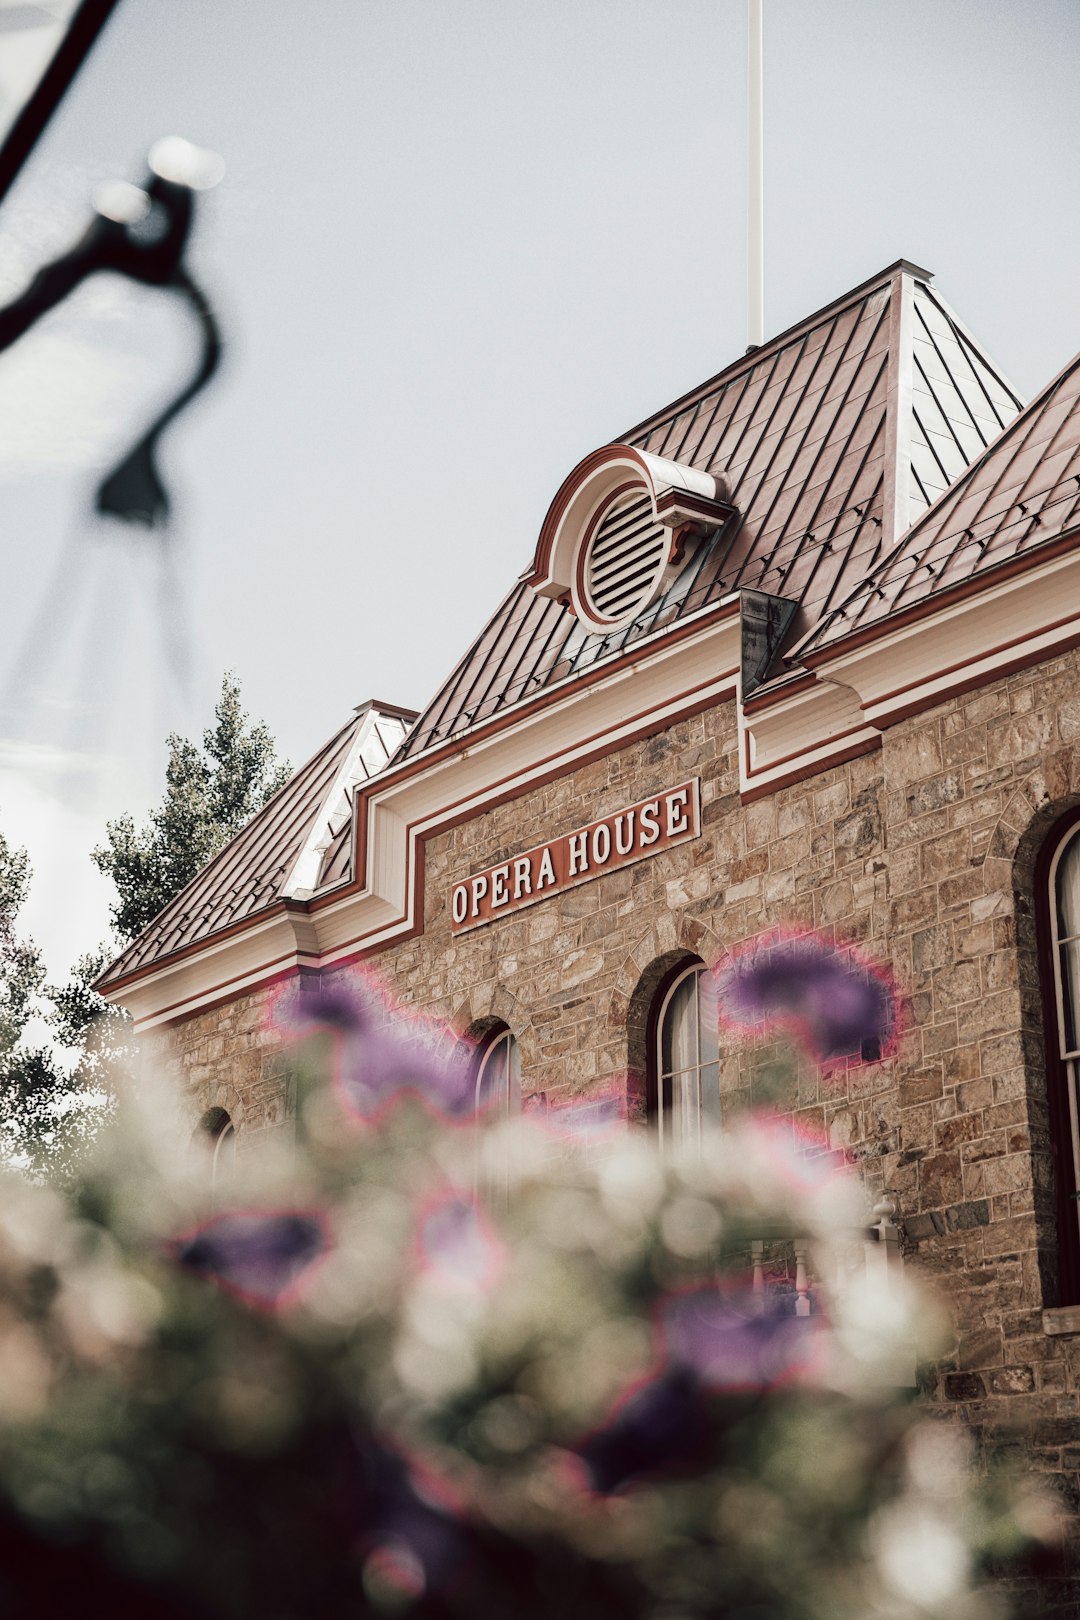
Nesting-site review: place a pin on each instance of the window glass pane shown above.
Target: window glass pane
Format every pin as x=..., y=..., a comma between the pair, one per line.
x=1068, y=891
x=224, y=1155
x=1070, y=985
x=707, y=1018
x=710, y=1093
x=685, y=1112
x=498, y=1080
x=688, y=1058
x=678, y=1044
x=513, y=1074
x=489, y=1080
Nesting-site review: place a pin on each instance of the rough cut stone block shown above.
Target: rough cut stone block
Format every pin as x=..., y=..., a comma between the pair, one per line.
x=966, y=1386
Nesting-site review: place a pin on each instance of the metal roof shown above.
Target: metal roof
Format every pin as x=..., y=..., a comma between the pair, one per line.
x=254, y=870
x=830, y=440
x=1020, y=495
x=814, y=435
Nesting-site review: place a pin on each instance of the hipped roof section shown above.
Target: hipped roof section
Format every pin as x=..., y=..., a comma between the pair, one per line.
x=1019, y=497
x=271, y=858
x=829, y=440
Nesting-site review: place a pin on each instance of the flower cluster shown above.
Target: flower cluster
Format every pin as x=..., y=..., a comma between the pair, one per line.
x=412, y=1360
x=838, y=1004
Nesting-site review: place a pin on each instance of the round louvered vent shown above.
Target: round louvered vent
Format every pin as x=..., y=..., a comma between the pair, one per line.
x=624, y=560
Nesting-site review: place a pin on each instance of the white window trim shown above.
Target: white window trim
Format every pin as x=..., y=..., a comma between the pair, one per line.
x=1070, y=1061
x=495, y=1040
x=697, y=969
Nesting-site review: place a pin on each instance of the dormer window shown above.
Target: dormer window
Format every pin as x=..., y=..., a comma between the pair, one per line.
x=622, y=559
x=617, y=533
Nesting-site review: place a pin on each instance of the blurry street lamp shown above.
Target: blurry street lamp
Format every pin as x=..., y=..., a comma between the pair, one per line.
x=140, y=232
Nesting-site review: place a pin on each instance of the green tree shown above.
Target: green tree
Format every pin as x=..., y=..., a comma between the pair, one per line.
x=51, y=1104
x=45, y=1111
x=210, y=792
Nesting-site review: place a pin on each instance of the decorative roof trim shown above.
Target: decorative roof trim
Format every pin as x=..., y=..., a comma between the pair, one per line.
x=820, y=641
x=679, y=496
x=368, y=755
x=818, y=722
x=975, y=586
x=896, y=501
x=197, y=915
x=396, y=813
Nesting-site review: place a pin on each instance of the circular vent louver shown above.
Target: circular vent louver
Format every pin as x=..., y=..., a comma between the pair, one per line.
x=624, y=560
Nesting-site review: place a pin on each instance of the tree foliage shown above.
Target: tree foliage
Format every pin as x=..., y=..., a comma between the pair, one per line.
x=60, y=1045
x=44, y=1108
x=210, y=792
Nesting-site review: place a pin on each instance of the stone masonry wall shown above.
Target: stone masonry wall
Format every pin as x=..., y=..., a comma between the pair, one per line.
x=924, y=852
x=228, y=1058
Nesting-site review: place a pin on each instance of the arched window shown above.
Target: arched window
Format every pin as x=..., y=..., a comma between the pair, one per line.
x=498, y=1072
x=684, y=1055
x=1058, y=915
x=215, y=1137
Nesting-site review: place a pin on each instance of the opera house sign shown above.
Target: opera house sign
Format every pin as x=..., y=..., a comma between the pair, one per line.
x=646, y=828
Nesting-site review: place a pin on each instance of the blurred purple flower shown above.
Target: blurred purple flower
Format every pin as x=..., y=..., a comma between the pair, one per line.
x=660, y=1427
x=259, y=1255
x=381, y=1053
x=413, y=1535
x=841, y=1005
x=455, y=1240
x=736, y=1341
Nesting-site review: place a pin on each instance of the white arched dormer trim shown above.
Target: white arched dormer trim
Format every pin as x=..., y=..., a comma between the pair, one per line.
x=672, y=501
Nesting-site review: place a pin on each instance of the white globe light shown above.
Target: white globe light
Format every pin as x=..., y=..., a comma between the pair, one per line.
x=180, y=161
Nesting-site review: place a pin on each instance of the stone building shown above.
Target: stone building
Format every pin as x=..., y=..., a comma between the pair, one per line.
x=803, y=648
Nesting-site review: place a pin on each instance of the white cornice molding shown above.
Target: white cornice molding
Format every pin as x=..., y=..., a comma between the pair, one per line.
x=799, y=734
x=697, y=670
x=967, y=642
x=853, y=695
x=274, y=945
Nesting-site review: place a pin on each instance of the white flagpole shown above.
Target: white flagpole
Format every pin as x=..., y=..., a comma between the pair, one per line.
x=755, y=178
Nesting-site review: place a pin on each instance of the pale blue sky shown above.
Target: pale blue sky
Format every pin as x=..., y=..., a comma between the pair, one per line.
x=460, y=243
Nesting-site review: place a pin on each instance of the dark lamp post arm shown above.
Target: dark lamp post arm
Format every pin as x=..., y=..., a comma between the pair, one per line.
x=142, y=234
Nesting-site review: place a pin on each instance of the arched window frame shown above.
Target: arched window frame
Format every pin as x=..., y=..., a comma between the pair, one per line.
x=498, y=1047
x=216, y=1134
x=224, y=1153
x=1062, y=1069
x=659, y=1092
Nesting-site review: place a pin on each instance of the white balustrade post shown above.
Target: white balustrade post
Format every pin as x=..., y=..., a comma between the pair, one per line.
x=884, y=1265
x=802, y=1285
x=883, y=1258
x=757, y=1258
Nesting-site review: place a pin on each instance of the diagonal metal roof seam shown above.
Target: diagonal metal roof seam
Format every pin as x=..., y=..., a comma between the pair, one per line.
x=795, y=432
x=246, y=871
x=953, y=543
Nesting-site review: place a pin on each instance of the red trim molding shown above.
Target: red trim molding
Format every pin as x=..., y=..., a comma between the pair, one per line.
x=565, y=494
